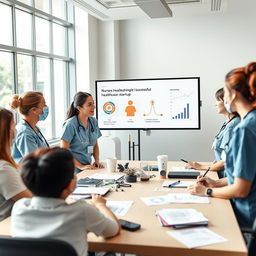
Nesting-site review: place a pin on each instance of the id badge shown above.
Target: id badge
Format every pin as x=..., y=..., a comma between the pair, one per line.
x=90, y=150
x=223, y=155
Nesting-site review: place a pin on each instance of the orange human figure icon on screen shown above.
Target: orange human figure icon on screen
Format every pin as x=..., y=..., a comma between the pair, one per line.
x=130, y=110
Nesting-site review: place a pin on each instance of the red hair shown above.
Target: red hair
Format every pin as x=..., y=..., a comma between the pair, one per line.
x=244, y=80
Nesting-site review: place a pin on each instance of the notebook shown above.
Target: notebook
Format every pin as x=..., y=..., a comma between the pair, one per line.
x=91, y=190
x=87, y=182
x=183, y=175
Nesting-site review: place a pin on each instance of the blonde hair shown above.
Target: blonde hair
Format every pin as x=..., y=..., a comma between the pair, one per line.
x=6, y=118
x=25, y=102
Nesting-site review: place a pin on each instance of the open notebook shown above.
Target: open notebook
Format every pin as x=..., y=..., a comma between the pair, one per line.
x=91, y=190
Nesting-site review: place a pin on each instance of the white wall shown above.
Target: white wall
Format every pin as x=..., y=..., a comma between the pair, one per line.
x=206, y=46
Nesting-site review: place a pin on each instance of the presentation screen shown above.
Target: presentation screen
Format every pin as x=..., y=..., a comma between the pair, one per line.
x=166, y=103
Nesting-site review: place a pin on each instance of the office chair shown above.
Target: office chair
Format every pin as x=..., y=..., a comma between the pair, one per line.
x=250, y=237
x=10, y=246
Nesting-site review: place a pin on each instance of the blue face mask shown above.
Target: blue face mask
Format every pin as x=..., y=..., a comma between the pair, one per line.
x=43, y=116
x=228, y=107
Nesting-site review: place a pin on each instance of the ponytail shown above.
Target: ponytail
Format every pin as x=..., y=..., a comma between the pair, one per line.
x=79, y=100
x=72, y=111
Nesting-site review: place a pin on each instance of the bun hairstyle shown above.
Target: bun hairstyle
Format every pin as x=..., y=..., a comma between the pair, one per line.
x=243, y=80
x=79, y=100
x=25, y=102
x=47, y=171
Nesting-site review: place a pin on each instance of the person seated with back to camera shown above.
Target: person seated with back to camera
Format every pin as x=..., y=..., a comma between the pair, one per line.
x=49, y=174
x=11, y=186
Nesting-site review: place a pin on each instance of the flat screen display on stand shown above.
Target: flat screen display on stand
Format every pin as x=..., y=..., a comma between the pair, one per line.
x=166, y=103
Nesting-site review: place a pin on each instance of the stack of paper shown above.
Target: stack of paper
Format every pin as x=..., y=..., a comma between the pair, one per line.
x=181, y=218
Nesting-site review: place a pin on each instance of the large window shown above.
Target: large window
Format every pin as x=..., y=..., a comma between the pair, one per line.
x=36, y=53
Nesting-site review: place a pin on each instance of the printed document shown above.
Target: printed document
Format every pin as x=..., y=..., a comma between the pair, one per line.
x=180, y=184
x=175, y=217
x=119, y=208
x=184, y=198
x=196, y=237
x=155, y=200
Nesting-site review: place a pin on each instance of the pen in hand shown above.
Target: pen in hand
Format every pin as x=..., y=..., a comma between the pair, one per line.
x=174, y=183
x=185, y=161
x=206, y=171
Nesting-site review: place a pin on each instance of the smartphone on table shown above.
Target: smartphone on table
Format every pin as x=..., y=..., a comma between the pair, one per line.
x=128, y=225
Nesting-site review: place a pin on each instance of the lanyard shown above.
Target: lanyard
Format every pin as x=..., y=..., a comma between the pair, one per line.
x=224, y=126
x=40, y=138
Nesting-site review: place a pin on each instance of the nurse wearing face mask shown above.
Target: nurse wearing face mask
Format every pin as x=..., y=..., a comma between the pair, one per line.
x=29, y=138
x=240, y=166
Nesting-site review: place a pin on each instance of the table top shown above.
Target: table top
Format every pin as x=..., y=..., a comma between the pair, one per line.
x=152, y=238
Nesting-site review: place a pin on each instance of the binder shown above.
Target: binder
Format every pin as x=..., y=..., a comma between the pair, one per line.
x=87, y=182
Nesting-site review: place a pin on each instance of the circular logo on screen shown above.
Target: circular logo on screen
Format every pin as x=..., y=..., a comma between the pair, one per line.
x=109, y=107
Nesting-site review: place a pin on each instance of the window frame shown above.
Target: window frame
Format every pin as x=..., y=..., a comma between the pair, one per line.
x=68, y=59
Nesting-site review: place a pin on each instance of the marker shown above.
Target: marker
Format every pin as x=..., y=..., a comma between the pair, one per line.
x=174, y=183
x=185, y=161
x=207, y=171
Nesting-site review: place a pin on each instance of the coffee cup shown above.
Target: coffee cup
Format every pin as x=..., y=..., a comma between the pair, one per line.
x=111, y=164
x=162, y=162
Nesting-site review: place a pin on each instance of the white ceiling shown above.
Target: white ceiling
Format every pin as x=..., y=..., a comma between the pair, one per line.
x=127, y=9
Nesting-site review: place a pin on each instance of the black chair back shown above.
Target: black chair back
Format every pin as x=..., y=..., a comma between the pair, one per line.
x=251, y=245
x=10, y=246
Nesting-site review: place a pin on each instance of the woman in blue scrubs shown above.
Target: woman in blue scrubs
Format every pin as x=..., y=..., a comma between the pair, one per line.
x=81, y=132
x=29, y=138
x=221, y=139
x=240, y=183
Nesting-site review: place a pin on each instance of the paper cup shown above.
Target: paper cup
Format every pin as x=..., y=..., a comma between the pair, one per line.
x=111, y=164
x=162, y=162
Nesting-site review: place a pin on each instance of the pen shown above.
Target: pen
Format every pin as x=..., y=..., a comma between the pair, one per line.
x=174, y=183
x=207, y=171
x=185, y=161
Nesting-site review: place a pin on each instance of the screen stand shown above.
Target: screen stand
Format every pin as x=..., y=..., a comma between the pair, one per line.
x=132, y=148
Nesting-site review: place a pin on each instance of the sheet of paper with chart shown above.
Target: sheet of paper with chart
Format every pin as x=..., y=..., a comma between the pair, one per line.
x=155, y=200
x=196, y=237
x=185, y=198
x=119, y=208
x=168, y=103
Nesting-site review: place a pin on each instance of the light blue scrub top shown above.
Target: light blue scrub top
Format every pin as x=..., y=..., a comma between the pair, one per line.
x=241, y=163
x=80, y=138
x=26, y=141
x=222, y=139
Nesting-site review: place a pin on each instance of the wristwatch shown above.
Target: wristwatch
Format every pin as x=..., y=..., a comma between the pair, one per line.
x=209, y=192
x=163, y=174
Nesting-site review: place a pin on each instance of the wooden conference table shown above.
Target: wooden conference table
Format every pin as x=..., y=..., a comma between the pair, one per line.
x=152, y=239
